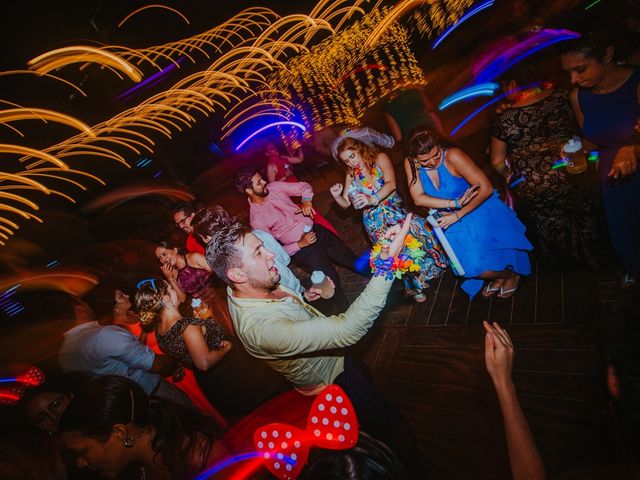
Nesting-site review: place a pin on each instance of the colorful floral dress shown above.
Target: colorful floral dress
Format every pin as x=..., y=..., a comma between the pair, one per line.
x=424, y=258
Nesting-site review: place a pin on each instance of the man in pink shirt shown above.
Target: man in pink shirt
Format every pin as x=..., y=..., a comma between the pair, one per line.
x=310, y=245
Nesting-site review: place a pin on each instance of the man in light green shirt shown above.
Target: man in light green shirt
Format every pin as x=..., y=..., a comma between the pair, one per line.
x=276, y=325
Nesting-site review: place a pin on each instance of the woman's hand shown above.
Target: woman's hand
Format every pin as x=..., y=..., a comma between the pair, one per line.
x=336, y=190
x=469, y=194
x=445, y=221
x=625, y=163
x=169, y=271
x=361, y=200
x=396, y=234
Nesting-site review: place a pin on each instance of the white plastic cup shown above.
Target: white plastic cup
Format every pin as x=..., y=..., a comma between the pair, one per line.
x=576, y=159
x=320, y=280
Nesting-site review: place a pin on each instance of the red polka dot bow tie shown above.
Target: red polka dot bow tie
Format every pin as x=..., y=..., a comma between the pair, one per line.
x=32, y=377
x=331, y=424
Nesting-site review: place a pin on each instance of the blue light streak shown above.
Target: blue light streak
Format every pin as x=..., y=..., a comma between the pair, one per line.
x=226, y=463
x=482, y=90
x=464, y=18
x=274, y=124
x=491, y=102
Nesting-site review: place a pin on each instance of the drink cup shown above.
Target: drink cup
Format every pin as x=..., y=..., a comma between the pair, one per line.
x=321, y=281
x=353, y=198
x=200, y=309
x=307, y=228
x=576, y=159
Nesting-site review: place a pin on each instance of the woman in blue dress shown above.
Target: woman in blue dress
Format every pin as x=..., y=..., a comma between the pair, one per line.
x=484, y=233
x=607, y=107
x=371, y=175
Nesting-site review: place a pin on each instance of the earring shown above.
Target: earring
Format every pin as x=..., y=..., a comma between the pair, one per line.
x=129, y=442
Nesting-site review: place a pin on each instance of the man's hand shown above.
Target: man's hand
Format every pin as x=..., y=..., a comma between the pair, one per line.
x=307, y=209
x=498, y=354
x=312, y=294
x=307, y=239
x=396, y=234
x=625, y=162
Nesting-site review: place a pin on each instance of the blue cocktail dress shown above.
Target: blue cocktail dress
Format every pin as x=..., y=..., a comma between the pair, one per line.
x=490, y=237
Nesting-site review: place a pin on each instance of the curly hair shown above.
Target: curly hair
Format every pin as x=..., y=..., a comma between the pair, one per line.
x=420, y=141
x=208, y=220
x=149, y=300
x=367, y=152
x=223, y=253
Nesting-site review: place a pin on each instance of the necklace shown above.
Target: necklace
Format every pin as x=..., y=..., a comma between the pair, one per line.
x=530, y=92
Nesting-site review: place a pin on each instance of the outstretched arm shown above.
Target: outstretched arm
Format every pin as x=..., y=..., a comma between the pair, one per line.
x=525, y=460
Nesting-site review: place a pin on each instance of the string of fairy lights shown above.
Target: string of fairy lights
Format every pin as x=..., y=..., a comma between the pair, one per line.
x=327, y=67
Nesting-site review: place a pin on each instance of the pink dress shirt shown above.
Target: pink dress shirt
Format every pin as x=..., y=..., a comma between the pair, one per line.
x=278, y=214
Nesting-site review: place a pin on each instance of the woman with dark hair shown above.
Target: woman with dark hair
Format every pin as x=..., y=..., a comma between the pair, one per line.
x=370, y=173
x=369, y=459
x=112, y=425
x=606, y=103
x=190, y=274
x=230, y=378
x=484, y=233
x=527, y=138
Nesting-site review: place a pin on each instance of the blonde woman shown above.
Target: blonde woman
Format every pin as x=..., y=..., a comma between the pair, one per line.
x=234, y=382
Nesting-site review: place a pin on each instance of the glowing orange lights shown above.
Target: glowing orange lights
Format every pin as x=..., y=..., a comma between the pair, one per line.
x=153, y=6
x=62, y=57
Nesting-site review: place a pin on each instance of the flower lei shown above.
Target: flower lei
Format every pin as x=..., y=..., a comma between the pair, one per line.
x=366, y=182
x=410, y=259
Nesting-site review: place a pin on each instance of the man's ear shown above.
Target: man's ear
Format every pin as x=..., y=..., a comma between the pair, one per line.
x=249, y=191
x=236, y=275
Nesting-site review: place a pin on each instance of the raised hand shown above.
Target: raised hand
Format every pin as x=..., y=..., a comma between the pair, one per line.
x=498, y=354
x=396, y=234
x=336, y=189
x=169, y=271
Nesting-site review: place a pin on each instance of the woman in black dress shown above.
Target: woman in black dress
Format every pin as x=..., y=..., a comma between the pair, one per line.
x=233, y=381
x=526, y=144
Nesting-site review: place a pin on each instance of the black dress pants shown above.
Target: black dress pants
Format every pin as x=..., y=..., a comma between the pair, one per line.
x=321, y=255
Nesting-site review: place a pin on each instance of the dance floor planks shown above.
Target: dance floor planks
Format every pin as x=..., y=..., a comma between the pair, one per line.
x=428, y=359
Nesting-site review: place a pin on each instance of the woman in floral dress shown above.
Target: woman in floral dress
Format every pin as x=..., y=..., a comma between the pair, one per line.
x=371, y=175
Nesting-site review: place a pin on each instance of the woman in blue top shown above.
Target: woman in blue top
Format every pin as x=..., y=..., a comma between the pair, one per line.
x=485, y=234
x=607, y=106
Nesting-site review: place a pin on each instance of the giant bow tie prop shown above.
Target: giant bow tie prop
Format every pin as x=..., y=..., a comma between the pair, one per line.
x=331, y=424
x=32, y=377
